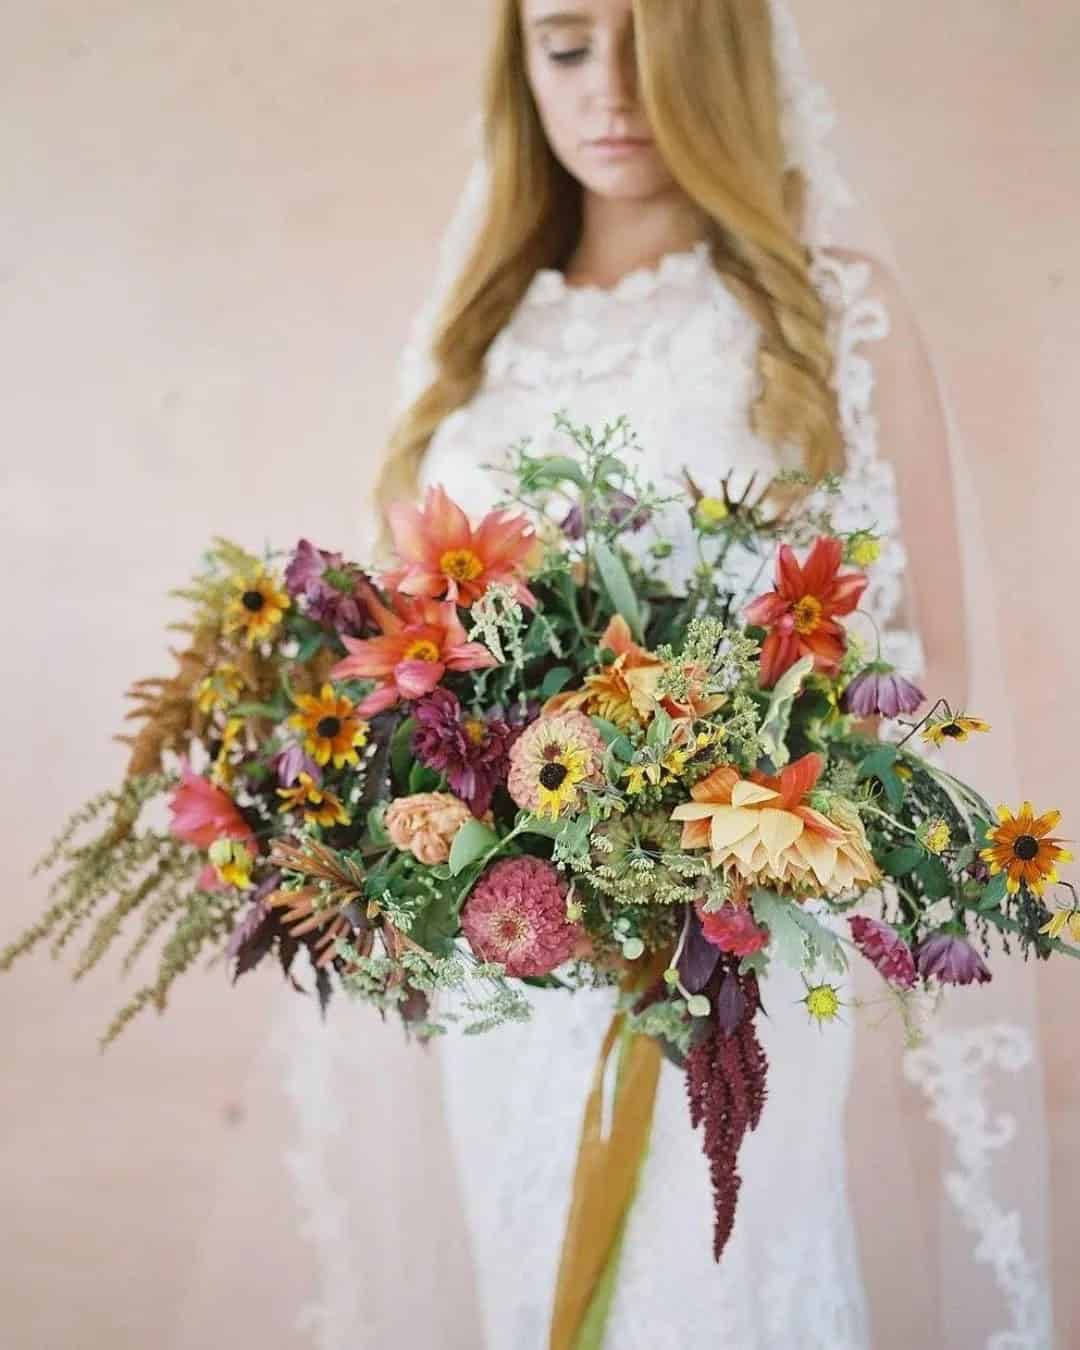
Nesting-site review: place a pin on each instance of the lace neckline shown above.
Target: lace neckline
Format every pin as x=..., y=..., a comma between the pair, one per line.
x=680, y=268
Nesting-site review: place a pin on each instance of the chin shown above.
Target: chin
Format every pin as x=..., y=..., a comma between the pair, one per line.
x=626, y=182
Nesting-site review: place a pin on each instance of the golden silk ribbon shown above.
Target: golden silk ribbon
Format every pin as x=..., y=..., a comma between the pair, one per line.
x=605, y=1177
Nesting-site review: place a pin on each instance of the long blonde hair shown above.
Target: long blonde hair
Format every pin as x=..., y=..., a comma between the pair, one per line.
x=709, y=88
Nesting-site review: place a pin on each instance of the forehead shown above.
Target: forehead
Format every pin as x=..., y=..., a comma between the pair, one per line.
x=574, y=13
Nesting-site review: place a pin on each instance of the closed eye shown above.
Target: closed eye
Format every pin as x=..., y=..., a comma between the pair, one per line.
x=569, y=58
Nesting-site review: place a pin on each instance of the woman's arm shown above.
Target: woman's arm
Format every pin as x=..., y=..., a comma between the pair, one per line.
x=913, y=437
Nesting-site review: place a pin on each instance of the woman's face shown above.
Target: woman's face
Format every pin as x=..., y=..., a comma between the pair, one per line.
x=582, y=72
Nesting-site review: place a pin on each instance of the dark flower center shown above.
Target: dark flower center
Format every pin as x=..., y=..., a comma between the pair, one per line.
x=553, y=776
x=253, y=601
x=1026, y=847
x=329, y=727
x=951, y=729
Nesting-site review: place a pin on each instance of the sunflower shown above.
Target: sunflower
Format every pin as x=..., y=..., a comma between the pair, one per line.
x=331, y=727
x=1022, y=848
x=319, y=806
x=257, y=607
x=957, y=728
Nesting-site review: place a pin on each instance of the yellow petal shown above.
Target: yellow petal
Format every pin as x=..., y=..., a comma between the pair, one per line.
x=751, y=794
x=730, y=824
x=1004, y=814
x=819, y=853
x=779, y=830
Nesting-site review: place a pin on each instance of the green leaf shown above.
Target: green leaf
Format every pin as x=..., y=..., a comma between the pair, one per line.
x=545, y=828
x=609, y=732
x=555, y=681
x=554, y=469
x=401, y=754
x=375, y=828
x=308, y=648
x=659, y=732
x=774, y=729
x=824, y=944
x=879, y=764
x=471, y=843
x=274, y=711
x=619, y=587
x=936, y=880
x=994, y=892
x=423, y=779
x=787, y=937
x=902, y=861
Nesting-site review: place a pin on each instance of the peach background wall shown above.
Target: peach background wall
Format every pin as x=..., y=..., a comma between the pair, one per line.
x=217, y=219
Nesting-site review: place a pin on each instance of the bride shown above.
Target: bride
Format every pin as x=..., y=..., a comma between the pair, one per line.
x=650, y=235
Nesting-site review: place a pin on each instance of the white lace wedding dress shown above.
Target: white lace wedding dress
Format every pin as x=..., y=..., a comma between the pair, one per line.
x=673, y=350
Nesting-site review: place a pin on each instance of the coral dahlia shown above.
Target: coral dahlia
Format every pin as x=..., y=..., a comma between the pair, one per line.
x=516, y=916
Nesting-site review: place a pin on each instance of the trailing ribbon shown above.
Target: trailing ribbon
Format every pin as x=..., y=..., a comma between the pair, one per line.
x=605, y=1180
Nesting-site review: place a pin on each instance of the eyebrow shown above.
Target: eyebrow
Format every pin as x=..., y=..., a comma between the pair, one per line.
x=561, y=20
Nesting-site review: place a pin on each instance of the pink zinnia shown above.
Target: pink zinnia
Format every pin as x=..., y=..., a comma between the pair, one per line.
x=885, y=949
x=422, y=640
x=516, y=916
x=444, y=557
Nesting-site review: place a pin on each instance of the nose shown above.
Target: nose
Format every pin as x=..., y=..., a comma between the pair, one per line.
x=615, y=77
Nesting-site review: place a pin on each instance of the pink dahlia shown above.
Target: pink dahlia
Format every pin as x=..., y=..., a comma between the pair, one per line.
x=473, y=752
x=516, y=916
x=885, y=949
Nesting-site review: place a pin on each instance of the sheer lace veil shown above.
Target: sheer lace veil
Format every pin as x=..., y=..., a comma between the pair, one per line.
x=947, y=1142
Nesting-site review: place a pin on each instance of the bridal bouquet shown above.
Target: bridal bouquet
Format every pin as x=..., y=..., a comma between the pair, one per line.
x=546, y=750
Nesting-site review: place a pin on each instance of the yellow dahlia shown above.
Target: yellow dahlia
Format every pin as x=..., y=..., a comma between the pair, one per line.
x=331, y=727
x=763, y=830
x=319, y=806
x=1023, y=849
x=256, y=609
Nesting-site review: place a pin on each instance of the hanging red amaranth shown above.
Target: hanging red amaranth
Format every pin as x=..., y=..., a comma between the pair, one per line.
x=725, y=1082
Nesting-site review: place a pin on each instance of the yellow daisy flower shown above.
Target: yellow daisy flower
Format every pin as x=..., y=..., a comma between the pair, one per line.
x=557, y=784
x=319, y=806
x=957, y=728
x=257, y=608
x=221, y=772
x=1023, y=849
x=935, y=836
x=822, y=1002
x=331, y=728
x=635, y=779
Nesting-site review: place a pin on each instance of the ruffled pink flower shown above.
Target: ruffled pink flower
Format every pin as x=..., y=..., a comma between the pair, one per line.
x=425, y=825
x=885, y=949
x=422, y=639
x=444, y=557
x=732, y=929
x=516, y=916
x=202, y=814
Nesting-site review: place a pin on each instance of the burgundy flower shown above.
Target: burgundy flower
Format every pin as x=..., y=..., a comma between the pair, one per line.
x=878, y=691
x=732, y=929
x=885, y=949
x=950, y=959
x=291, y=762
x=473, y=752
x=622, y=510
x=516, y=916
x=330, y=586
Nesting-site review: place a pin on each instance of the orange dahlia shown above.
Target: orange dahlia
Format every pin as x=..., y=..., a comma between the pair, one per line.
x=445, y=558
x=801, y=612
x=1024, y=850
x=623, y=693
x=763, y=830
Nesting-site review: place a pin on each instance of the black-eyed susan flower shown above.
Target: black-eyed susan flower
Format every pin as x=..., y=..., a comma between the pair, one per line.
x=951, y=728
x=331, y=727
x=320, y=807
x=1021, y=846
x=552, y=761
x=257, y=607
x=223, y=769
x=221, y=688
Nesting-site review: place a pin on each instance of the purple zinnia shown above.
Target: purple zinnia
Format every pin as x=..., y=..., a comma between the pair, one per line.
x=950, y=959
x=331, y=586
x=878, y=691
x=885, y=949
x=473, y=752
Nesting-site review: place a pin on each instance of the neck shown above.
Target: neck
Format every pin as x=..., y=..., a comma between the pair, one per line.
x=618, y=237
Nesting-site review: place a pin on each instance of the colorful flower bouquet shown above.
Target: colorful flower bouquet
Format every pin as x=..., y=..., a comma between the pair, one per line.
x=547, y=751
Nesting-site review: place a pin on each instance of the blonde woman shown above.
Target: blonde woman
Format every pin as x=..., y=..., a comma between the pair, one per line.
x=650, y=235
